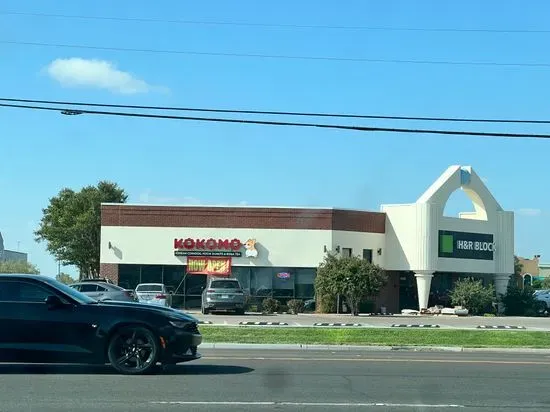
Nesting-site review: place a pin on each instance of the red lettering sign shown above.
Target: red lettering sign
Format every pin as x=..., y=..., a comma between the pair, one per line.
x=211, y=244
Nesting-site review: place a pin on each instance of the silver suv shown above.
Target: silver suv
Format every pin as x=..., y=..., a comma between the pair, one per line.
x=223, y=294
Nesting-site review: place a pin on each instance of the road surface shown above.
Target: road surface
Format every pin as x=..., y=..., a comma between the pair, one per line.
x=262, y=380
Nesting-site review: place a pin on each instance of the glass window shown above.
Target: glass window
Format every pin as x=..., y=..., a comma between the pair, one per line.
x=195, y=284
x=305, y=278
x=129, y=276
x=367, y=255
x=173, y=277
x=149, y=288
x=260, y=281
x=22, y=292
x=346, y=252
x=88, y=287
x=283, y=283
x=225, y=284
x=151, y=274
x=32, y=293
x=242, y=274
x=101, y=288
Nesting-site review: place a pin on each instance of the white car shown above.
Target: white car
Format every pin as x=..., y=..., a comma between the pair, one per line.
x=153, y=293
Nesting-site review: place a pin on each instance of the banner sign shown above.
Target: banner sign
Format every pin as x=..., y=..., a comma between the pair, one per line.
x=208, y=266
x=463, y=245
x=207, y=247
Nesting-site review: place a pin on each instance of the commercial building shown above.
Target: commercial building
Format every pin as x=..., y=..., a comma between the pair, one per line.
x=10, y=255
x=276, y=250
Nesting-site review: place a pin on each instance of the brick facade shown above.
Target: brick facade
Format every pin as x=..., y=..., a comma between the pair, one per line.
x=242, y=217
x=109, y=271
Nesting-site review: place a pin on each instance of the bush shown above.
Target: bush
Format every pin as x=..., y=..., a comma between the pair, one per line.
x=352, y=277
x=326, y=304
x=520, y=302
x=270, y=305
x=471, y=294
x=296, y=306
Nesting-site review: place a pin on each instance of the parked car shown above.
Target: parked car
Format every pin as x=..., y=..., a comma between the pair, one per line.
x=104, y=291
x=44, y=321
x=153, y=293
x=106, y=280
x=223, y=294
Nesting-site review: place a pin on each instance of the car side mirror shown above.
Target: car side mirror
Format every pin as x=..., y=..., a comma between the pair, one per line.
x=53, y=302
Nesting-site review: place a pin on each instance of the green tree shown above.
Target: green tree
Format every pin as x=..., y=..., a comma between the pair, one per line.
x=471, y=294
x=18, y=267
x=71, y=225
x=352, y=277
x=65, y=278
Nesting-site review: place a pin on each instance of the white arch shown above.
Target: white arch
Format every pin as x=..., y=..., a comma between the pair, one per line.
x=463, y=178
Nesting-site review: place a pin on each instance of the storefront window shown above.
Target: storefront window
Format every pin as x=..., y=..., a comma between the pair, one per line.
x=242, y=273
x=260, y=281
x=304, y=282
x=283, y=283
x=151, y=274
x=173, y=278
x=129, y=276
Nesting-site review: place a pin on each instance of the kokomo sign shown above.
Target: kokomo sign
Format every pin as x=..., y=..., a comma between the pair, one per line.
x=208, y=247
x=463, y=245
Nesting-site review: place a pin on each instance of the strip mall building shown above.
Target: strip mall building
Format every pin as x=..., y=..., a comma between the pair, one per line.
x=276, y=250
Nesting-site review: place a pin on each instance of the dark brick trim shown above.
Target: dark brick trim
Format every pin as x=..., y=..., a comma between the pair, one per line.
x=242, y=217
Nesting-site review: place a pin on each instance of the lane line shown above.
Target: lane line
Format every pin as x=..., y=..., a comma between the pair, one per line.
x=318, y=404
x=293, y=359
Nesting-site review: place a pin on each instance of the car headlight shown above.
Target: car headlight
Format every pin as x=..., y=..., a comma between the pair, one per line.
x=178, y=323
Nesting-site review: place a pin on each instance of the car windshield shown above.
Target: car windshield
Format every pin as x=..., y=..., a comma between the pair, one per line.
x=224, y=284
x=67, y=290
x=149, y=288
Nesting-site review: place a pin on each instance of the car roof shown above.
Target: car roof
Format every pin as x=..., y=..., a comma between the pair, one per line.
x=220, y=278
x=22, y=276
x=156, y=284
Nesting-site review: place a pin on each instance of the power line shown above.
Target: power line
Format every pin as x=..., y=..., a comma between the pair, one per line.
x=277, y=113
x=278, y=123
x=275, y=56
x=273, y=25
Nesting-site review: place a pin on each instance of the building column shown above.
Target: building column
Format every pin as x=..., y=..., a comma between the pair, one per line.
x=501, y=285
x=423, y=284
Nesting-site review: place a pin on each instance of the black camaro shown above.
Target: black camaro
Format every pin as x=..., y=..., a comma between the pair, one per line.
x=45, y=321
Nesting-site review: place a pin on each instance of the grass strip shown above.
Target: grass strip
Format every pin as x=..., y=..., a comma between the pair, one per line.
x=375, y=336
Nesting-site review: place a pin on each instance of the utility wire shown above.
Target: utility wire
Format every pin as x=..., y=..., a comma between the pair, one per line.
x=276, y=56
x=278, y=123
x=272, y=25
x=277, y=113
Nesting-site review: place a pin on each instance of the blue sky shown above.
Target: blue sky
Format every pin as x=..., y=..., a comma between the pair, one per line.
x=179, y=162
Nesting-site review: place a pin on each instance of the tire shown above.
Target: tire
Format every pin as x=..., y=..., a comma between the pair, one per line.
x=204, y=311
x=134, y=350
x=239, y=311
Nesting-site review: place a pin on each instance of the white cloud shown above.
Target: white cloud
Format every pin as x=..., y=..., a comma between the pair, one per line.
x=529, y=212
x=102, y=74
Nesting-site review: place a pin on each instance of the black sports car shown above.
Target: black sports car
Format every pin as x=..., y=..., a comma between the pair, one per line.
x=44, y=321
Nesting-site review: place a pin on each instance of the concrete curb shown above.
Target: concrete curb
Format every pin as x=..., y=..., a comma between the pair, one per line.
x=349, y=348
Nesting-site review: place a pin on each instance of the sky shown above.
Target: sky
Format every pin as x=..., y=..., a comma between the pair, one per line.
x=182, y=162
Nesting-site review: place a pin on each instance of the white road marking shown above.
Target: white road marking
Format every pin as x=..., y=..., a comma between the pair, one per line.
x=323, y=404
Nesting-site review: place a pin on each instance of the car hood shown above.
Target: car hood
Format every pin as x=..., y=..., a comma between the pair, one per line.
x=173, y=313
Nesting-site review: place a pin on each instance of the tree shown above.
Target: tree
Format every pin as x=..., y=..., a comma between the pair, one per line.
x=352, y=277
x=64, y=278
x=71, y=225
x=11, y=266
x=471, y=294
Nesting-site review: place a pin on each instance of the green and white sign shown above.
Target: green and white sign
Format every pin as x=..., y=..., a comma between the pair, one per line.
x=464, y=245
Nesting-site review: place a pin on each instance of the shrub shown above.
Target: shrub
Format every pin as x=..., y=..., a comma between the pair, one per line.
x=520, y=302
x=296, y=306
x=270, y=305
x=471, y=294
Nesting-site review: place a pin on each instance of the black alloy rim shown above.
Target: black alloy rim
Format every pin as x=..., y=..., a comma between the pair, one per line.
x=135, y=350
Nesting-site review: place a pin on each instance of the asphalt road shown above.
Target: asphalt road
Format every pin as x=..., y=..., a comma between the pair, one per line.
x=262, y=380
x=444, y=321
